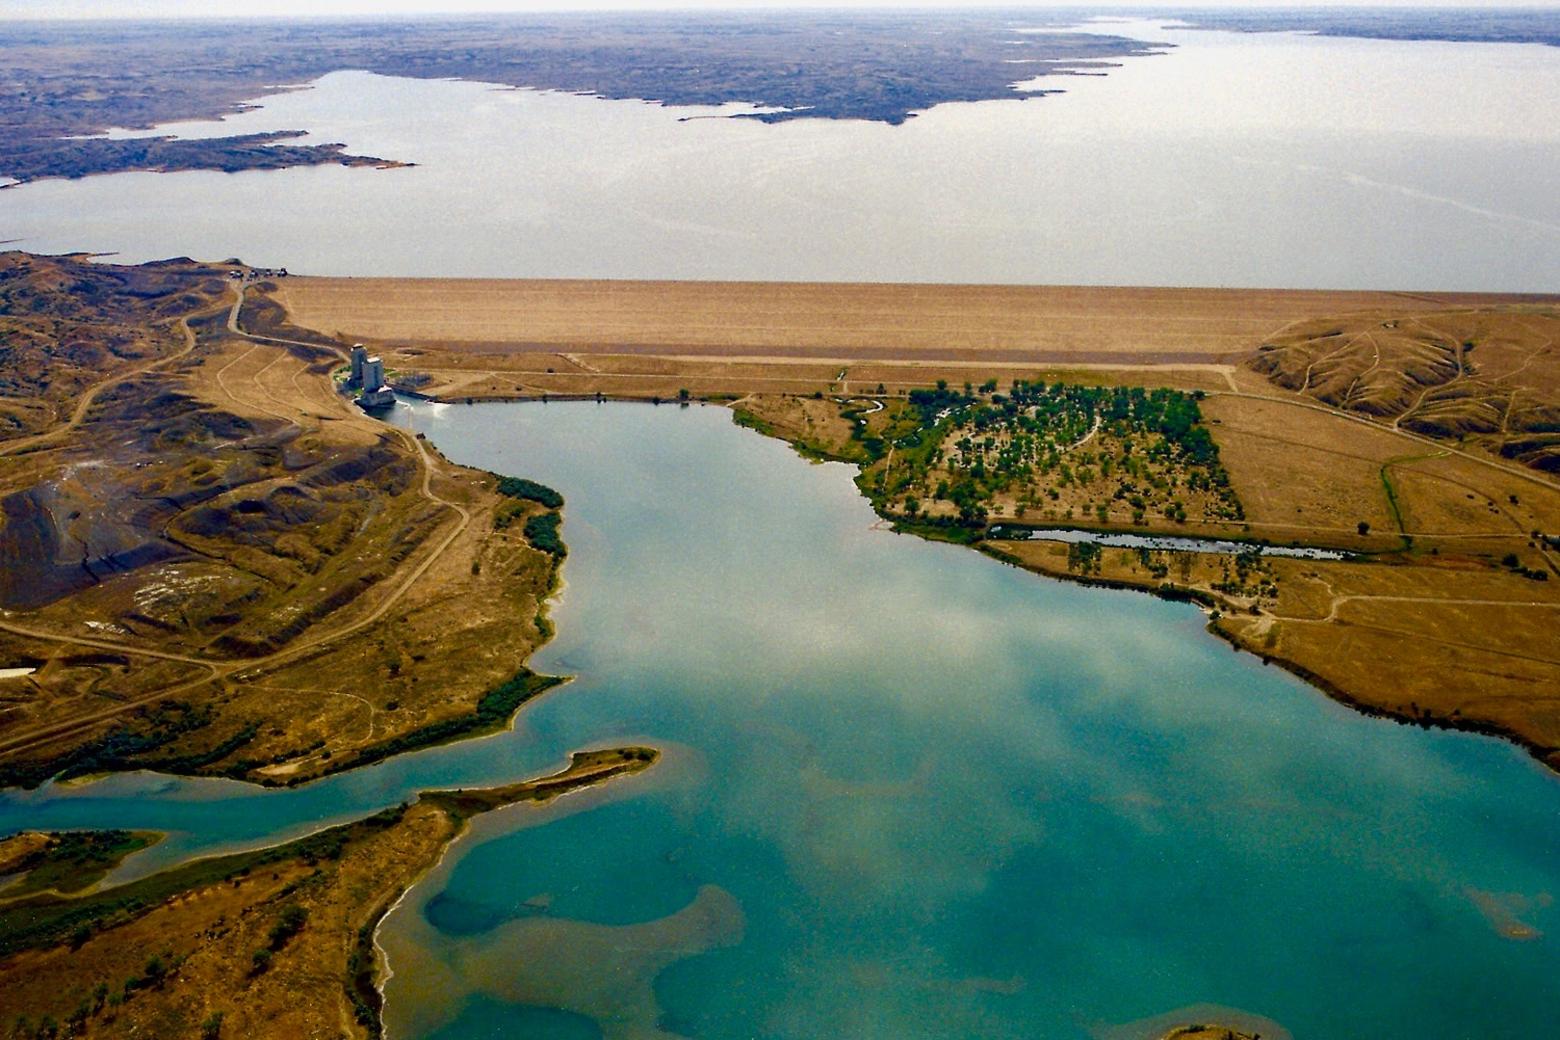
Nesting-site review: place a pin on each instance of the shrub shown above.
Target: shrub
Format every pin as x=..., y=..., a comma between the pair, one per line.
x=520, y=487
x=542, y=532
x=290, y=924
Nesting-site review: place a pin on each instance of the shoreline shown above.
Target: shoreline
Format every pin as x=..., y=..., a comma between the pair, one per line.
x=422, y=551
x=340, y=873
x=1211, y=608
x=1210, y=603
x=1217, y=604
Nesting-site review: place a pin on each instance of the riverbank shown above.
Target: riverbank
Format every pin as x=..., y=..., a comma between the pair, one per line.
x=274, y=942
x=293, y=589
x=64, y=863
x=1433, y=627
x=1351, y=422
x=1372, y=685
x=949, y=732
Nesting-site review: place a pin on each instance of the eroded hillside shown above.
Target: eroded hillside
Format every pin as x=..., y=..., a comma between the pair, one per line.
x=213, y=562
x=1481, y=376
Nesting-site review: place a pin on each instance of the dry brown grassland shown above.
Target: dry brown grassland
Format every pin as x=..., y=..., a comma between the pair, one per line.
x=486, y=339
x=217, y=564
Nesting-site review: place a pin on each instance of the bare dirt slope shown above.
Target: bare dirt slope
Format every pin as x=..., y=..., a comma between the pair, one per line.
x=218, y=564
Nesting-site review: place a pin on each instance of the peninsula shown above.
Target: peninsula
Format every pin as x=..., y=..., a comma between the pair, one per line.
x=1413, y=433
x=275, y=942
x=213, y=563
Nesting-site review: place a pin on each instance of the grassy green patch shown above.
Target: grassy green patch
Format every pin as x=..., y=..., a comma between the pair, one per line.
x=52, y=921
x=492, y=713
x=743, y=417
x=74, y=860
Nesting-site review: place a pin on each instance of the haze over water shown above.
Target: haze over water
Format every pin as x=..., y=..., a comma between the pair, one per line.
x=1241, y=160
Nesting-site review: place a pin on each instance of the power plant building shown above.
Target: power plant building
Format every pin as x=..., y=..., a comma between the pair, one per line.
x=375, y=393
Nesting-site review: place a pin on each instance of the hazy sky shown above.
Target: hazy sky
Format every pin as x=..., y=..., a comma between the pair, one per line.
x=227, y=8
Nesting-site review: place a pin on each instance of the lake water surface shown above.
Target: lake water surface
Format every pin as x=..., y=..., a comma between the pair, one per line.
x=1241, y=160
x=947, y=798
x=908, y=791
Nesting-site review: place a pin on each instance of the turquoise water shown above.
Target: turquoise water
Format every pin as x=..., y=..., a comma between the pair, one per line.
x=909, y=791
x=950, y=798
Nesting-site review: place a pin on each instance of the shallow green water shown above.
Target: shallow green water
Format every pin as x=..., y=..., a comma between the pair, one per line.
x=908, y=791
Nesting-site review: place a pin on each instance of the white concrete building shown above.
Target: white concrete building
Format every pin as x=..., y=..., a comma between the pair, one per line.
x=375, y=393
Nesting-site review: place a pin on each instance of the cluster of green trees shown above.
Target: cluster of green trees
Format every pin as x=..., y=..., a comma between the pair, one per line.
x=1152, y=443
x=130, y=745
x=520, y=487
x=1253, y=575
x=1084, y=557
x=931, y=402
x=541, y=531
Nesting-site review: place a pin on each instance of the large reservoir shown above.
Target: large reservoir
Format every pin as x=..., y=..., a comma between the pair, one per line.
x=1274, y=160
x=905, y=790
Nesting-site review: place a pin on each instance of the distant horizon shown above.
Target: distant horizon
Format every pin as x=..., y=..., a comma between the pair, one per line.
x=128, y=10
